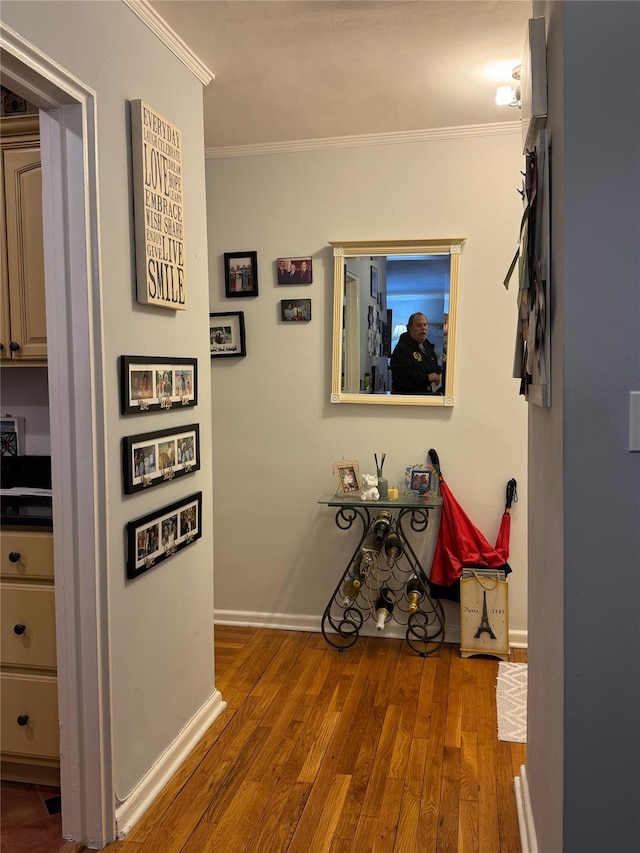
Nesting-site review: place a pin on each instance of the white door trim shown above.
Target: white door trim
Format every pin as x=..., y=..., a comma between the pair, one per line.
x=75, y=361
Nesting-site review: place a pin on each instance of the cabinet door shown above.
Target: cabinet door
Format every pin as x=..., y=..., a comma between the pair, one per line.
x=25, y=255
x=26, y=555
x=29, y=717
x=27, y=626
x=5, y=325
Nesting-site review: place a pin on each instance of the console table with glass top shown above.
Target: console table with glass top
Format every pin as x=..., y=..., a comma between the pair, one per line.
x=374, y=567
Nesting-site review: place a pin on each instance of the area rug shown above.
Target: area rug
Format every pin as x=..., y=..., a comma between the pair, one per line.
x=511, y=699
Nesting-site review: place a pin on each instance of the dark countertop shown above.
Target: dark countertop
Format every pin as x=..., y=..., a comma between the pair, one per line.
x=12, y=522
x=25, y=492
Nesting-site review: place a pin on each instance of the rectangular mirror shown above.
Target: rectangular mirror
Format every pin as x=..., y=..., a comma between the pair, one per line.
x=379, y=286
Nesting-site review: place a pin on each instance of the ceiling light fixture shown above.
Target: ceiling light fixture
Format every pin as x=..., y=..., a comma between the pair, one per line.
x=509, y=96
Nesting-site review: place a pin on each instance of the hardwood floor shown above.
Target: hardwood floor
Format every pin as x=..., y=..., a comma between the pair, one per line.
x=372, y=749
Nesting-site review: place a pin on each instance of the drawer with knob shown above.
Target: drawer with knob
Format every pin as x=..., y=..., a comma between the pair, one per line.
x=29, y=724
x=26, y=555
x=28, y=626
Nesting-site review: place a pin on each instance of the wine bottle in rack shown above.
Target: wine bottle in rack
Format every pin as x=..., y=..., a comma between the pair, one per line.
x=384, y=607
x=415, y=593
x=351, y=589
x=393, y=548
x=382, y=524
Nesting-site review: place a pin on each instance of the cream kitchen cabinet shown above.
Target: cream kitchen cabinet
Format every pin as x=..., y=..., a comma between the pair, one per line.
x=29, y=718
x=23, y=330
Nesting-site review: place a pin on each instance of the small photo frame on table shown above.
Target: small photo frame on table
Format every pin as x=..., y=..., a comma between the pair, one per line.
x=153, y=538
x=241, y=273
x=295, y=309
x=348, y=474
x=149, y=383
x=294, y=270
x=374, y=281
x=227, y=335
x=152, y=458
x=421, y=481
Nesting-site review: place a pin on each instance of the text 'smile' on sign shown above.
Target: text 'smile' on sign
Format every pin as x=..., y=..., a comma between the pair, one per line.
x=159, y=208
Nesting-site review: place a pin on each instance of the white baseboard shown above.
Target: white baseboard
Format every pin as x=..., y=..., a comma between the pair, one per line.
x=294, y=622
x=518, y=639
x=291, y=622
x=528, y=838
x=254, y=619
x=130, y=810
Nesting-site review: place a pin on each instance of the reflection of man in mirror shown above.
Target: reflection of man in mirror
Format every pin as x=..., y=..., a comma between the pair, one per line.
x=414, y=364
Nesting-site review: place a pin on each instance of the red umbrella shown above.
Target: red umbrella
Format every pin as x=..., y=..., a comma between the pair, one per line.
x=502, y=541
x=461, y=545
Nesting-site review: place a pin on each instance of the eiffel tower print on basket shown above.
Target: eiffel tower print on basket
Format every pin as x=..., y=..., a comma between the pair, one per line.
x=484, y=613
x=485, y=627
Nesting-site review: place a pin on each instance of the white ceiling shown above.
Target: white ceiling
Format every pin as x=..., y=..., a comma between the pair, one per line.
x=302, y=69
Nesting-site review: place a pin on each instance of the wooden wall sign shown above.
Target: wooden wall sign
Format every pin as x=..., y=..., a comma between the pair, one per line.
x=158, y=208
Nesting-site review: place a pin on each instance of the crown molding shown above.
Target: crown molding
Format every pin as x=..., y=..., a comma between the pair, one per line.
x=396, y=138
x=148, y=15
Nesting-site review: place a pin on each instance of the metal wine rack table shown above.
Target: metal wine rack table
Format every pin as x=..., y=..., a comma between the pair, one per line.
x=374, y=568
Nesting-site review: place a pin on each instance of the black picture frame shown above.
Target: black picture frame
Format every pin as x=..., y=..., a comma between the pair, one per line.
x=151, y=383
x=374, y=281
x=153, y=538
x=152, y=458
x=295, y=310
x=294, y=270
x=240, y=274
x=386, y=339
x=227, y=337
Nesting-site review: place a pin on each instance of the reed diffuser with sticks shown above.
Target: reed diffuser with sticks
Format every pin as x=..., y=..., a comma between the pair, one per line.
x=383, y=486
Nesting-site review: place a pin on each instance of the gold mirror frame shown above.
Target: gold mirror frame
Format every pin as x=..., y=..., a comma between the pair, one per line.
x=343, y=250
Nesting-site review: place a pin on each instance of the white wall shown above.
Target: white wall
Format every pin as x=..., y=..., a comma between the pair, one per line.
x=583, y=754
x=278, y=553
x=160, y=626
x=25, y=394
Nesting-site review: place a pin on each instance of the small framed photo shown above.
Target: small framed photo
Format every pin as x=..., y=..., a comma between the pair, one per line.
x=421, y=481
x=294, y=270
x=241, y=273
x=295, y=309
x=158, y=457
x=161, y=534
x=374, y=281
x=227, y=335
x=386, y=339
x=348, y=474
x=12, y=436
x=149, y=383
